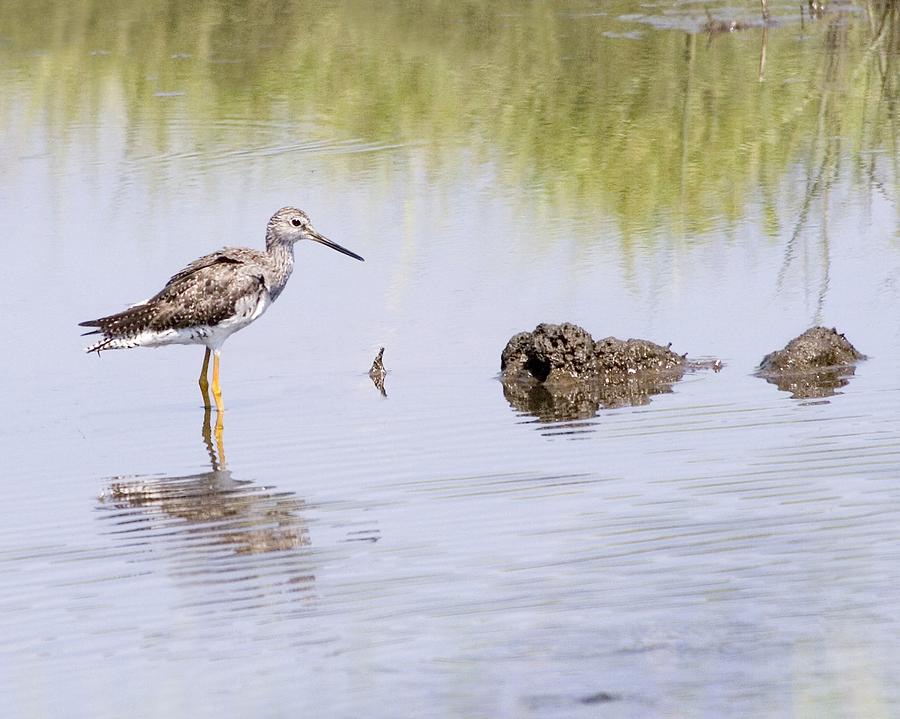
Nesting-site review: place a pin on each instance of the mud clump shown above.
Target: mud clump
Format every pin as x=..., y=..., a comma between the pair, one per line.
x=551, y=352
x=554, y=353
x=560, y=372
x=814, y=364
x=634, y=356
x=816, y=348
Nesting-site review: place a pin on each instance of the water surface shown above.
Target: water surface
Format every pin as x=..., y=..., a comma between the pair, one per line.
x=723, y=549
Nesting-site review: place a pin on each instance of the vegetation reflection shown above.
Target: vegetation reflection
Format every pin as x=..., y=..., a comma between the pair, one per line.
x=675, y=130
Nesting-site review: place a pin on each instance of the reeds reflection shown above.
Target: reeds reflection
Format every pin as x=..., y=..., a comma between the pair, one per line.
x=673, y=132
x=250, y=541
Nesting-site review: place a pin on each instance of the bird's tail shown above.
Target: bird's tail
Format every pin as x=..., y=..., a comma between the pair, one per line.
x=110, y=343
x=119, y=331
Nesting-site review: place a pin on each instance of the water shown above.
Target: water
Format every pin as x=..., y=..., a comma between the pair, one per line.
x=723, y=550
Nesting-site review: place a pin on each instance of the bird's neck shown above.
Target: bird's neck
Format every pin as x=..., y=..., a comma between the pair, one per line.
x=282, y=264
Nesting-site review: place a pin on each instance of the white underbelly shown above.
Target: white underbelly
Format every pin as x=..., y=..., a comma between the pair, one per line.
x=213, y=336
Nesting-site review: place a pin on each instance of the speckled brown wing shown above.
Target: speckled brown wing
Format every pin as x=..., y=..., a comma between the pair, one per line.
x=203, y=293
x=227, y=255
x=206, y=295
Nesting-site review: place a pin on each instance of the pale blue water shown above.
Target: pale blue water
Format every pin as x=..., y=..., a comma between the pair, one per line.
x=722, y=551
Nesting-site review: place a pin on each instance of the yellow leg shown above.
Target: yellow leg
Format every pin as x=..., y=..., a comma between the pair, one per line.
x=217, y=390
x=204, y=384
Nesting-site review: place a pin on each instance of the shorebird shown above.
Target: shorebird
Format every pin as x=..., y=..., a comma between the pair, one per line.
x=213, y=297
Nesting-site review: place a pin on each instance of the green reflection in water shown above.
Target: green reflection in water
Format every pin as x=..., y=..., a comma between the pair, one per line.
x=670, y=131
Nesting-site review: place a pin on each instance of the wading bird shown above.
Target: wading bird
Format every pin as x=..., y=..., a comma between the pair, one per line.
x=213, y=297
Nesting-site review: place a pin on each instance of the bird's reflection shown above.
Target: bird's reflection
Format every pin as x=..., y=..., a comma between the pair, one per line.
x=583, y=400
x=209, y=520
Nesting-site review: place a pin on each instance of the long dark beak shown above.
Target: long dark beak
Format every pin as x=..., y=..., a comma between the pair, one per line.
x=313, y=235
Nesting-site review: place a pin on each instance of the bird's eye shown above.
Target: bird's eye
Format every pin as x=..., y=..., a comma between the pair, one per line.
x=296, y=222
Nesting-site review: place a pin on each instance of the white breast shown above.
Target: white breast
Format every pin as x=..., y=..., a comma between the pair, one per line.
x=246, y=310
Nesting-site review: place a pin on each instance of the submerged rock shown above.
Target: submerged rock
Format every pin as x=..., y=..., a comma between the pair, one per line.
x=814, y=364
x=560, y=372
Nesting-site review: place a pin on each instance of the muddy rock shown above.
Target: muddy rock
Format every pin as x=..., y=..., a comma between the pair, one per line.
x=555, y=353
x=816, y=348
x=634, y=356
x=814, y=365
x=559, y=372
x=551, y=352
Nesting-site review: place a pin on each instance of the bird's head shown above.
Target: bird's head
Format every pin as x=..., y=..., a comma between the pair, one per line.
x=290, y=225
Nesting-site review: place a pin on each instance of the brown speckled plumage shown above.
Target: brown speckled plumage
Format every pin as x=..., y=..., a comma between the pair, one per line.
x=214, y=295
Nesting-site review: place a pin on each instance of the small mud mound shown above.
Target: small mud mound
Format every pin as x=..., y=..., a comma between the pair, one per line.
x=551, y=352
x=554, y=353
x=816, y=348
x=636, y=356
x=813, y=365
x=559, y=372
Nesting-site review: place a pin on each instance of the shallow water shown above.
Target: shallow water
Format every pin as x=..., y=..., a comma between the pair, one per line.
x=722, y=550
